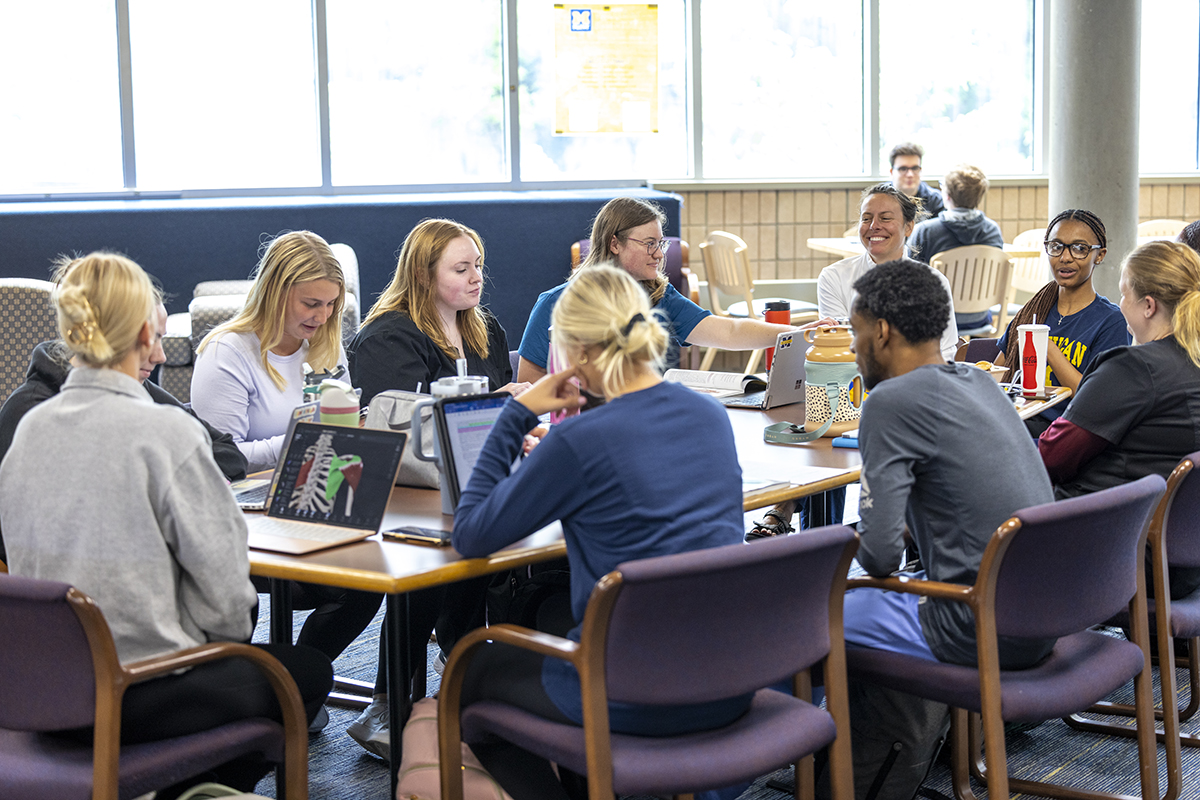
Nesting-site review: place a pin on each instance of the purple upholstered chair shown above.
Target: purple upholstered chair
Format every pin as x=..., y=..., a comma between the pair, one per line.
x=675, y=629
x=59, y=670
x=1174, y=540
x=1051, y=571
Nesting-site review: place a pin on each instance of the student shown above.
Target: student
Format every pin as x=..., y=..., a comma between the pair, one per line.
x=249, y=371
x=886, y=219
x=1082, y=323
x=1135, y=412
x=249, y=377
x=142, y=520
x=905, y=168
x=960, y=224
x=429, y=316
x=48, y=368
x=1190, y=235
x=629, y=231
x=923, y=426
x=426, y=319
x=602, y=475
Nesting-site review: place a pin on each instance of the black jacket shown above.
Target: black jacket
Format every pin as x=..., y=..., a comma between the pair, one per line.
x=45, y=378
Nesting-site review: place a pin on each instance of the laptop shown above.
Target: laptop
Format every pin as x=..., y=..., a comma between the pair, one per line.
x=785, y=382
x=463, y=425
x=331, y=488
x=252, y=493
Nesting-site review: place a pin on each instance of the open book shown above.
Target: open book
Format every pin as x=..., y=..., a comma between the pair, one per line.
x=718, y=384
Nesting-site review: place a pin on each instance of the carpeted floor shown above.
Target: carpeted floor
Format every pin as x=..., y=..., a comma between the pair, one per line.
x=341, y=770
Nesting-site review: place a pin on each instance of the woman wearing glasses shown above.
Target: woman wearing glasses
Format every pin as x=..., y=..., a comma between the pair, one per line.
x=1082, y=323
x=629, y=232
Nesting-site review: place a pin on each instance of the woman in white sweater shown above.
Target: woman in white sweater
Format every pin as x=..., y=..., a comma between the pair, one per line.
x=249, y=377
x=142, y=519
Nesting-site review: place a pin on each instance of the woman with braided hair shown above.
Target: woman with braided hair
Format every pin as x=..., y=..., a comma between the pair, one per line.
x=1082, y=323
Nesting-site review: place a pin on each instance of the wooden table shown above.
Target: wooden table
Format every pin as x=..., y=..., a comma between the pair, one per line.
x=847, y=247
x=395, y=568
x=1031, y=407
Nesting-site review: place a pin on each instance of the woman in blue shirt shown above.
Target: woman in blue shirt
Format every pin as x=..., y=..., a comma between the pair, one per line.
x=632, y=229
x=622, y=479
x=1082, y=323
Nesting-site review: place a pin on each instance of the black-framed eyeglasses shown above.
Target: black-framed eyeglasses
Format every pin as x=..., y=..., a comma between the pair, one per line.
x=1054, y=248
x=909, y=169
x=652, y=245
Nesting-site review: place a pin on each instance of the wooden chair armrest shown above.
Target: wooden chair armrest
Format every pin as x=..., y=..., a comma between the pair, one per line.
x=938, y=589
x=693, y=285
x=295, y=724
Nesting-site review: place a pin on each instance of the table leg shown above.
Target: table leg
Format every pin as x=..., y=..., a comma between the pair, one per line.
x=399, y=663
x=281, y=611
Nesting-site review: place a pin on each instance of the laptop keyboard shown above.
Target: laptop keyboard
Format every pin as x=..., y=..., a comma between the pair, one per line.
x=255, y=498
x=291, y=529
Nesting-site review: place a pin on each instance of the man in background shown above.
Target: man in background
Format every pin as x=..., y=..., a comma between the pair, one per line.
x=905, y=161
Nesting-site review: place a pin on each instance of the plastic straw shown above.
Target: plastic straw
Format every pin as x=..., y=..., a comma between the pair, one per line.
x=461, y=365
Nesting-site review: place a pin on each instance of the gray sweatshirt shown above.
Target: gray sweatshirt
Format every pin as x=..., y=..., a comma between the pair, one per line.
x=119, y=496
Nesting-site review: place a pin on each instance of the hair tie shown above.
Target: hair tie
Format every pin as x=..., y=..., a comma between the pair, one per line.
x=81, y=333
x=636, y=318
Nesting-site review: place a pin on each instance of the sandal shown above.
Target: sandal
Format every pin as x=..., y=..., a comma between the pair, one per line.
x=765, y=530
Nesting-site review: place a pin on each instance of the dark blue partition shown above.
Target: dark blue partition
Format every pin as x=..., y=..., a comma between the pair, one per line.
x=527, y=236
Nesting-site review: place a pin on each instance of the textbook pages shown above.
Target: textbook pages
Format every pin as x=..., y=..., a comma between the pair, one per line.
x=718, y=384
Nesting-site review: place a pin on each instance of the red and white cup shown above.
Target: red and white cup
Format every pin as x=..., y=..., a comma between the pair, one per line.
x=1033, y=341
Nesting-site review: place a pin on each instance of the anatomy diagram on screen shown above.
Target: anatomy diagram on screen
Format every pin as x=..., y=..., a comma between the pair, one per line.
x=323, y=474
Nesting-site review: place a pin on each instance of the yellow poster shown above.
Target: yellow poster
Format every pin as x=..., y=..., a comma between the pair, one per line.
x=606, y=73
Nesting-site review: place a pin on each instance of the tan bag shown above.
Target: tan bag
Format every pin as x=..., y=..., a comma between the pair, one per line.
x=392, y=410
x=419, y=777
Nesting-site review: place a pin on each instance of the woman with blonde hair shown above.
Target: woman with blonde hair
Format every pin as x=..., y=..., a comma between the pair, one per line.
x=429, y=316
x=141, y=520
x=249, y=377
x=628, y=232
x=249, y=371
x=601, y=474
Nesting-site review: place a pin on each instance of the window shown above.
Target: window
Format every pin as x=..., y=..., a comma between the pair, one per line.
x=550, y=156
x=224, y=94
x=60, y=132
x=957, y=78
x=782, y=88
x=416, y=92
x=1168, y=134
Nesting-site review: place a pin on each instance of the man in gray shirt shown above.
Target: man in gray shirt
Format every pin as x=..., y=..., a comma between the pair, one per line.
x=946, y=457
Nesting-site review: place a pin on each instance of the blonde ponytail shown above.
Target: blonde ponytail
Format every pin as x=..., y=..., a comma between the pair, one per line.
x=603, y=307
x=1170, y=273
x=103, y=301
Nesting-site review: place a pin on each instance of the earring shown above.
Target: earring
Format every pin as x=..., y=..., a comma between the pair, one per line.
x=583, y=359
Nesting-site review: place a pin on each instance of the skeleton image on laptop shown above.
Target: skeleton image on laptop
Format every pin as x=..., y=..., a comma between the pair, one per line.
x=323, y=474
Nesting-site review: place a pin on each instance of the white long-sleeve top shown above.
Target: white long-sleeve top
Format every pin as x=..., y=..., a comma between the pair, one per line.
x=835, y=295
x=233, y=392
x=119, y=496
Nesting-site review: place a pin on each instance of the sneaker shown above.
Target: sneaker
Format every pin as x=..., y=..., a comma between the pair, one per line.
x=439, y=663
x=372, y=729
x=319, y=721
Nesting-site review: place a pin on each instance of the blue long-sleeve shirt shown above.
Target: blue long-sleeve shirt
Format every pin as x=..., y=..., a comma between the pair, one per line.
x=650, y=473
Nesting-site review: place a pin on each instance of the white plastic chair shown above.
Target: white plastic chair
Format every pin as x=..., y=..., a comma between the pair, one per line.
x=1162, y=228
x=979, y=279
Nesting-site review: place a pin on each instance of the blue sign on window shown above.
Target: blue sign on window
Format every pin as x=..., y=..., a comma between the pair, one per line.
x=581, y=19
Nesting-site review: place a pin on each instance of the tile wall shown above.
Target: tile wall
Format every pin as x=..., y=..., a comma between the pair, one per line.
x=777, y=224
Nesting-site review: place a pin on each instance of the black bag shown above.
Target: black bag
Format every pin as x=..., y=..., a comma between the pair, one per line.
x=517, y=596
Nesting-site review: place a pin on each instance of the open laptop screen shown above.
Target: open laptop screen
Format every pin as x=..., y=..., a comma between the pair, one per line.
x=337, y=475
x=464, y=423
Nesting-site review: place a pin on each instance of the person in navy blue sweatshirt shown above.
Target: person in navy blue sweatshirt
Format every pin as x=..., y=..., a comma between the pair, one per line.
x=653, y=471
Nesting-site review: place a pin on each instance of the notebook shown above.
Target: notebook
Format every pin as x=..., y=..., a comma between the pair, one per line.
x=785, y=383
x=331, y=487
x=252, y=493
x=463, y=425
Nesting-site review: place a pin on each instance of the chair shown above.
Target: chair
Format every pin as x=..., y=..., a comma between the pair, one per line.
x=214, y=302
x=1161, y=228
x=978, y=350
x=1029, y=274
x=851, y=232
x=675, y=265
x=59, y=670
x=979, y=277
x=29, y=319
x=1174, y=540
x=727, y=268
x=673, y=630
x=1053, y=570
